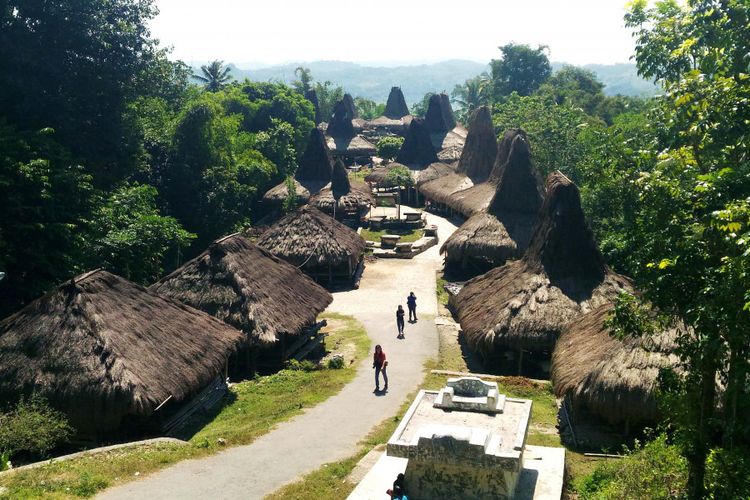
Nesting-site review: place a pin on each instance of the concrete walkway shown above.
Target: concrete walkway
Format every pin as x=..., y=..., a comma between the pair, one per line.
x=331, y=430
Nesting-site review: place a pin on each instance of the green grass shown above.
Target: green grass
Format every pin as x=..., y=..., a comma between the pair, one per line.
x=442, y=294
x=407, y=235
x=255, y=407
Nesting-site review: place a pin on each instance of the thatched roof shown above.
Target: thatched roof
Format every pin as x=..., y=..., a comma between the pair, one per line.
x=527, y=303
x=353, y=146
x=340, y=125
x=477, y=197
x=432, y=172
x=309, y=238
x=479, y=152
x=350, y=107
x=395, y=107
x=477, y=157
x=616, y=379
x=243, y=285
x=341, y=195
x=417, y=148
x=99, y=347
x=504, y=231
x=312, y=96
x=313, y=173
x=439, y=116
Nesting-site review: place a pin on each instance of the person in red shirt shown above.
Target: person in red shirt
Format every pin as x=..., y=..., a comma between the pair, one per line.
x=379, y=363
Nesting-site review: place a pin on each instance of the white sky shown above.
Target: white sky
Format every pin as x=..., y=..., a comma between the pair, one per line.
x=393, y=31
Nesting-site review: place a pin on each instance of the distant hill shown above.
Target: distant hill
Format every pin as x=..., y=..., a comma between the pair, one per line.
x=416, y=80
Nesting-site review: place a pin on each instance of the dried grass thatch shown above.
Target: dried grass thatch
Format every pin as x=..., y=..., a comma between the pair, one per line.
x=477, y=197
x=243, y=285
x=340, y=125
x=356, y=146
x=476, y=159
x=312, y=96
x=101, y=348
x=439, y=116
x=313, y=173
x=504, y=231
x=395, y=107
x=341, y=197
x=615, y=379
x=525, y=304
x=432, y=172
x=417, y=148
x=308, y=238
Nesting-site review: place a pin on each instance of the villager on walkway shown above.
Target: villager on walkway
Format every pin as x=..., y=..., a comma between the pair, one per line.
x=411, y=303
x=400, y=321
x=379, y=363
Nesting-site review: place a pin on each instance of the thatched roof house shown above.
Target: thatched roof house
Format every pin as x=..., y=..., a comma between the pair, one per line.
x=104, y=351
x=446, y=136
x=525, y=304
x=245, y=286
x=341, y=198
x=343, y=139
x=503, y=232
x=477, y=197
x=417, y=148
x=340, y=124
x=439, y=116
x=611, y=378
x=396, y=117
x=313, y=173
x=325, y=249
x=312, y=96
x=476, y=161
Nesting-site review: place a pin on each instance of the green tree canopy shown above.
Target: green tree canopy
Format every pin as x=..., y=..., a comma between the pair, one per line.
x=214, y=75
x=521, y=69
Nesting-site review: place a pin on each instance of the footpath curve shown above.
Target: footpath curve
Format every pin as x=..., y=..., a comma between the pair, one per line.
x=331, y=430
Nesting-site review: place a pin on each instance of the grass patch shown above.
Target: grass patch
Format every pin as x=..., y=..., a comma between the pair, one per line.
x=407, y=235
x=442, y=293
x=253, y=409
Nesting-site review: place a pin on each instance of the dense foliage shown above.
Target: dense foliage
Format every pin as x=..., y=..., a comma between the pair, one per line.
x=110, y=158
x=388, y=147
x=32, y=428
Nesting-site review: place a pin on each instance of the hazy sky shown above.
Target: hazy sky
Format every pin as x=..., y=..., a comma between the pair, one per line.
x=409, y=31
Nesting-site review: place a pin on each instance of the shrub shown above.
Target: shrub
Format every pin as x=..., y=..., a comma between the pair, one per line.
x=290, y=200
x=388, y=147
x=302, y=366
x=728, y=474
x=336, y=362
x=653, y=470
x=32, y=427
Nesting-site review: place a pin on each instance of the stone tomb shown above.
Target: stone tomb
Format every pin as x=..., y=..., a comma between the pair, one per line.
x=464, y=441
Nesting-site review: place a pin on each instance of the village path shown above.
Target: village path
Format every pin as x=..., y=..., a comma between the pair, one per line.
x=331, y=430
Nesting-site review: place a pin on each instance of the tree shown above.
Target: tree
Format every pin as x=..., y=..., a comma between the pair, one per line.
x=521, y=69
x=419, y=109
x=328, y=96
x=470, y=95
x=692, y=226
x=388, y=147
x=132, y=238
x=368, y=109
x=215, y=75
x=304, y=84
x=575, y=86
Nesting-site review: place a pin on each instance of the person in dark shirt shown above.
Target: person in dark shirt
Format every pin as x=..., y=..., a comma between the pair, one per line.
x=379, y=363
x=400, y=321
x=411, y=303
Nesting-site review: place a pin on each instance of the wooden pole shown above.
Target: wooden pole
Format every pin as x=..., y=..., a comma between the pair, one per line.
x=520, y=360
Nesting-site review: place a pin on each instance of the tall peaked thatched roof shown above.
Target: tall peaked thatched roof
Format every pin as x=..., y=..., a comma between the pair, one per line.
x=527, y=303
x=100, y=347
x=243, y=285
x=503, y=151
x=475, y=163
x=312, y=96
x=480, y=150
x=439, y=116
x=417, y=148
x=342, y=195
x=316, y=163
x=350, y=107
x=308, y=238
x=396, y=107
x=340, y=125
x=504, y=231
x=616, y=379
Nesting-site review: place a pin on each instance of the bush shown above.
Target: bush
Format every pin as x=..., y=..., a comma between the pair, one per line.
x=653, y=470
x=728, y=474
x=336, y=362
x=301, y=366
x=32, y=427
x=388, y=147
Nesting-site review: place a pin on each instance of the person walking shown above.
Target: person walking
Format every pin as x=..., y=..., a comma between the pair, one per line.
x=400, y=321
x=411, y=303
x=379, y=363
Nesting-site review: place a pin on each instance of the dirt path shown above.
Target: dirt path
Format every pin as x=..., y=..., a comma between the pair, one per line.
x=331, y=430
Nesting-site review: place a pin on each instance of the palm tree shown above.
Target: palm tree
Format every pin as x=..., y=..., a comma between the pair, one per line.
x=471, y=95
x=215, y=75
x=304, y=84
